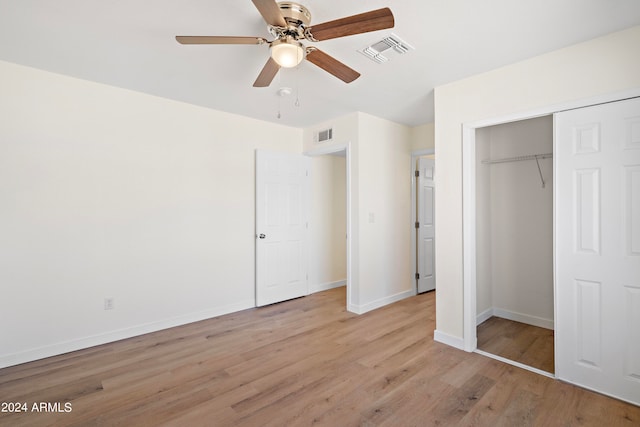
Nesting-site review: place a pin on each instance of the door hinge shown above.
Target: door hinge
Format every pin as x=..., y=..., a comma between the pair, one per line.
x=417, y=224
x=417, y=276
x=417, y=174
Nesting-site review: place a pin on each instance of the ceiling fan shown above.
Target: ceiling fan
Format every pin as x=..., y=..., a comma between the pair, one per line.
x=289, y=22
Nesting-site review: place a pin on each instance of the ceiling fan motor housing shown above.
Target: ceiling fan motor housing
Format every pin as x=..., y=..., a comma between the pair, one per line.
x=295, y=14
x=297, y=18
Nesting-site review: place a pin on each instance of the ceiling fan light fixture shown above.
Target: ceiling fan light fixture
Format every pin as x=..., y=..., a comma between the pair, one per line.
x=288, y=22
x=287, y=53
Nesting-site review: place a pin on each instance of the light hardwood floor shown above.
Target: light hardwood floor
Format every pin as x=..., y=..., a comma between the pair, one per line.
x=527, y=344
x=302, y=362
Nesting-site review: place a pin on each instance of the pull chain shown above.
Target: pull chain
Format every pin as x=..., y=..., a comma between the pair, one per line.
x=297, y=103
x=279, y=94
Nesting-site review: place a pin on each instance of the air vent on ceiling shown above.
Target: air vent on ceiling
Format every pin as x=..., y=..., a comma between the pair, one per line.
x=388, y=45
x=324, y=135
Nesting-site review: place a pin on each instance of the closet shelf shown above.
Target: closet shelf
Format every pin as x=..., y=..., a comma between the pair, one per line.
x=518, y=158
x=535, y=157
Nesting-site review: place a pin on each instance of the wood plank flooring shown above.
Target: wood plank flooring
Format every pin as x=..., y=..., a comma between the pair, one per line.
x=299, y=363
x=527, y=344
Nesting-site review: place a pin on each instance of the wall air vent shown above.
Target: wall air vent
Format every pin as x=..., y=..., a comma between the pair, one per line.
x=324, y=135
x=391, y=46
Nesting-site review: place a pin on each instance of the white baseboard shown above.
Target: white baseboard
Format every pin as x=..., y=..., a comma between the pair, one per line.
x=91, y=341
x=484, y=316
x=523, y=318
x=447, y=339
x=361, y=309
x=326, y=286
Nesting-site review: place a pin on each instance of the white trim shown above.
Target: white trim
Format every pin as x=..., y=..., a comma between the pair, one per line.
x=352, y=308
x=447, y=339
x=484, y=316
x=523, y=318
x=556, y=337
x=361, y=309
x=329, y=149
x=120, y=334
x=326, y=286
x=414, y=256
x=469, y=236
x=514, y=363
x=352, y=288
x=540, y=322
x=468, y=191
x=556, y=108
x=423, y=152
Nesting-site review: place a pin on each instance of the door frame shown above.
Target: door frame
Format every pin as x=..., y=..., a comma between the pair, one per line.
x=414, y=182
x=469, y=340
x=323, y=151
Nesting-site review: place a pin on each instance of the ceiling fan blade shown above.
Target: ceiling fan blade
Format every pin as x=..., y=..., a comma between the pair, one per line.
x=219, y=40
x=356, y=24
x=267, y=74
x=270, y=12
x=332, y=65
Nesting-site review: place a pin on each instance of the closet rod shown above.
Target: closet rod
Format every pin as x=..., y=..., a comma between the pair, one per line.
x=518, y=158
x=535, y=157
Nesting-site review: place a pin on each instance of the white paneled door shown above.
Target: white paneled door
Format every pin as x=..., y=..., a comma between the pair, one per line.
x=282, y=210
x=426, y=226
x=597, y=226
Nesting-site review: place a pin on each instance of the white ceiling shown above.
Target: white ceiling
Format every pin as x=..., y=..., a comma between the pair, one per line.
x=130, y=44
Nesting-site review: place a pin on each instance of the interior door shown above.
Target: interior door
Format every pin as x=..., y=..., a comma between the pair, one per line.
x=426, y=226
x=282, y=209
x=598, y=248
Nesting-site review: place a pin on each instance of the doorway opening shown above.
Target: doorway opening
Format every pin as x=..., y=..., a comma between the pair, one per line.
x=330, y=256
x=328, y=219
x=514, y=242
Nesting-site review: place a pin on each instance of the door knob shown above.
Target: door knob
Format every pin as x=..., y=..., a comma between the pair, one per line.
x=262, y=236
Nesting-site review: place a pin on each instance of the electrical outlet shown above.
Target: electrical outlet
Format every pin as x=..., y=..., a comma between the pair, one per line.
x=108, y=304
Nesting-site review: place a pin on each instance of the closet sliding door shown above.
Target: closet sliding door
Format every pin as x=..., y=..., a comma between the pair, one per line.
x=597, y=227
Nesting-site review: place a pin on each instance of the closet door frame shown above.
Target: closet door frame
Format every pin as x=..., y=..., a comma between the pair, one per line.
x=469, y=342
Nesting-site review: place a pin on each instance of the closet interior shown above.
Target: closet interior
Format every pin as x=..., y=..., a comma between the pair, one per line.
x=514, y=264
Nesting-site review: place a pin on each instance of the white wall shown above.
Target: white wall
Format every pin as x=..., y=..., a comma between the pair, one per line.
x=422, y=137
x=106, y=192
x=328, y=264
x=380, y=187
x=601, y=66
x=345, y=131
x=109, y=193
x=515, y=222
x=384, y=198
